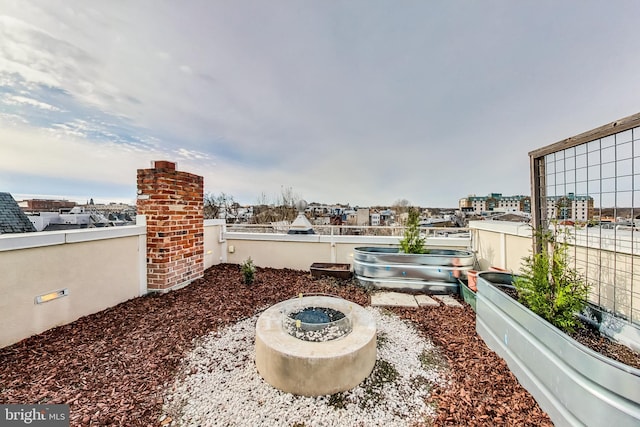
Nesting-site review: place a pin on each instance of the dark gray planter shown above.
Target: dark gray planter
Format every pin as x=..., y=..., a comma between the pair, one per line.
x=572, y=383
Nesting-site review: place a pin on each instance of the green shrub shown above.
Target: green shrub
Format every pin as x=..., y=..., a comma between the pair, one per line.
x=412, y=242
x=248, y=271
x=548, y=285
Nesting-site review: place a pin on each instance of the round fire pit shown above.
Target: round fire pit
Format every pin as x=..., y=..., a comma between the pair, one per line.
x=315, y=345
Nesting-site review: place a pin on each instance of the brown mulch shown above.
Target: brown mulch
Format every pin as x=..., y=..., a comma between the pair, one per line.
x=482, y=390
x=112, y=367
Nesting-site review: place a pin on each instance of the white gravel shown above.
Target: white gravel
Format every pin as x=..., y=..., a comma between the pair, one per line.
x=220, y=386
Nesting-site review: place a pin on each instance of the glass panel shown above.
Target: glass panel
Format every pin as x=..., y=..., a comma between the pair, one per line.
x=593, y=172
x=581, y=149
x=593, y=146
x=593, y=186
x=559, y=166
x=581, y=161
x=593, y=158
x=570, y=163
x=560, y=179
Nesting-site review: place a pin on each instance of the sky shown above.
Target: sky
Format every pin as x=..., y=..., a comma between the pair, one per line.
x=364, y=102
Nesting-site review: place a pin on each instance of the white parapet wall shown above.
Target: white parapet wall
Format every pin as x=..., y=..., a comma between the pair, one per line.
x=501, y=244
x=215, y=246
x=79, y=272
x=299, y=251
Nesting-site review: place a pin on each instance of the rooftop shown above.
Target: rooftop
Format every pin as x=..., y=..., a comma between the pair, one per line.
x=12, y=219
x=118, y=366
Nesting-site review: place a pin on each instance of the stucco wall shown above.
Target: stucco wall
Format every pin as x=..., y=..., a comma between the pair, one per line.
x=300, y=251
x=99, y=268
x=501, y=244
x=214, y=245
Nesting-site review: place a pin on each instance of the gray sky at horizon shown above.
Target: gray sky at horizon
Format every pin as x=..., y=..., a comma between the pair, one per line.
x=360, y=102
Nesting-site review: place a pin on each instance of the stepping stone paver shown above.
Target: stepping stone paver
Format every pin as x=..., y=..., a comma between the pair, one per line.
x=426, y=301
x=395, y=299
x=448, y=300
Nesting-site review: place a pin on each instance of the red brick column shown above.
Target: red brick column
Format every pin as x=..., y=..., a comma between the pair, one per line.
x=173, y=203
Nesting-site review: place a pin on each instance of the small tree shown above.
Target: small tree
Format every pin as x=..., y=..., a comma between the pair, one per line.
x=248, y=269
x=413, y=242
x=549, y=286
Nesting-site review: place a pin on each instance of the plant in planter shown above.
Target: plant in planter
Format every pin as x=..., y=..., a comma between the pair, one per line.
x=248, y=269
x=413, y=242
x=549, y=286
x=411, y=266
x=567, y=378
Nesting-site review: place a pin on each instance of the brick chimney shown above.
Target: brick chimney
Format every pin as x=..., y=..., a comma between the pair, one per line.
x=173, y=203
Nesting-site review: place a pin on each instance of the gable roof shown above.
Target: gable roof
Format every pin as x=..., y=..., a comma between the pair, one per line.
x=12, y=219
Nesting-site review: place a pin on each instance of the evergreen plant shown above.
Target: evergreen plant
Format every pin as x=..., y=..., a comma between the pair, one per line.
x=549, y=286
x=248, y=271
x=413, y=242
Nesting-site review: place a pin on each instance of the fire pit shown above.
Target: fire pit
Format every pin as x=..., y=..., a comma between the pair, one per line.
x=315, y=345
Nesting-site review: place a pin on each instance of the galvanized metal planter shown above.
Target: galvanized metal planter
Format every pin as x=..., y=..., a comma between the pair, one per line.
x=572, y=383
x=435, y=272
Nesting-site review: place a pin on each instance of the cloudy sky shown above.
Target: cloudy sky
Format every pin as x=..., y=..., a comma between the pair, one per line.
x=356, y=101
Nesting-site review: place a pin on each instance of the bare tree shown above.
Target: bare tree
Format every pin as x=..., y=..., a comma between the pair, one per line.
x=220, y=206
x=282, y=209
x=401, y=206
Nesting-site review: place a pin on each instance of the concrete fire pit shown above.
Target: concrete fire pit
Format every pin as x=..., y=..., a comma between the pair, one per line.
x=312, y=368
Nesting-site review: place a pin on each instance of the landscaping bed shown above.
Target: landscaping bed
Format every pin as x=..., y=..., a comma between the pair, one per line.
x=590, y=337
x=114, y=367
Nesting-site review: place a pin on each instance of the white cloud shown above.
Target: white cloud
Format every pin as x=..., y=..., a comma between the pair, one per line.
x=65, y=155
x=352, y=101
x=17, y=100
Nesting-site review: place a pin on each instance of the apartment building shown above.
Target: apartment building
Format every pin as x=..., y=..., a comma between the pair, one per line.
x=495, y=202
x=571, y=207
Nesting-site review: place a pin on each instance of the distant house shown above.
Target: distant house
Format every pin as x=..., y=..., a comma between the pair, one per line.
x=45, y=205
x=12, y=219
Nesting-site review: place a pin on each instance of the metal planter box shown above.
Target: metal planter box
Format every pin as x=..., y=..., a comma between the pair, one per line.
x=468, y=295
x=572, y=383
x=437, y=271
x=340, y=271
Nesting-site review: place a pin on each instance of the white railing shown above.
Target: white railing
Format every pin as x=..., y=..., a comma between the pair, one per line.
x=348, y=230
